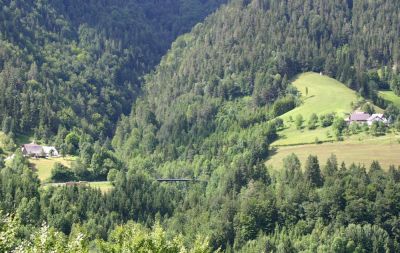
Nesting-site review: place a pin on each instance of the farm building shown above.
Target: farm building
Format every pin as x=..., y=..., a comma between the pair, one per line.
x=50, y=151
x=35, y=150
x=366, y=118
x=358, y=117
x=378, y=118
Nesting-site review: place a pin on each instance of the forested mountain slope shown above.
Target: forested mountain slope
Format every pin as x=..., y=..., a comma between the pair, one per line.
x=207, y=113
x=252, y=48
x=67, y=64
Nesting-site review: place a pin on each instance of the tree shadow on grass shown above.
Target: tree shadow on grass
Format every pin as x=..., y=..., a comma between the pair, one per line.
x=271, y=152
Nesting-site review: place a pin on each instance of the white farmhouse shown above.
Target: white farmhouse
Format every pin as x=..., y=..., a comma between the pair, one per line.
x=378, y=117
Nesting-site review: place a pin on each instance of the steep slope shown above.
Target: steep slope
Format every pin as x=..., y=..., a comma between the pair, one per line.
x=73, y=64
x=390, y=97
x=252, y=48
x=206, y=110
x=320, y=95
x=206, y=115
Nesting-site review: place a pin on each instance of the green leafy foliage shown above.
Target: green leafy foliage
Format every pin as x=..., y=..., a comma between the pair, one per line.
x=61, y=173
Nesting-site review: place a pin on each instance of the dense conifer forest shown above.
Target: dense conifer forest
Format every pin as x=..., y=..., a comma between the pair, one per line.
x=83, y=75
x=74, y=64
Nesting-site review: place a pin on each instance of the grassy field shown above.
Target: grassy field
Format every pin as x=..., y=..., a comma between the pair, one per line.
x=358, y=149
x=390, y=97
x=43, y=166
x=104, y=186
x=325, y=95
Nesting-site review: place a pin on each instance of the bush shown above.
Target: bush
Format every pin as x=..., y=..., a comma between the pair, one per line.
x=368, y=108
x=355, y=128
x=61, y=173
x=299, y=121
x=112, y=174
x=278, y=122
x=8, y=143
x=283, y=105
x=339, y=125
x=397, y=125
x=327, y=119
x=312, y=122
x=377, y=129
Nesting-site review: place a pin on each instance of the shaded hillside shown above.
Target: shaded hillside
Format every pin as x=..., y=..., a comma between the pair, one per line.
x=67, y=64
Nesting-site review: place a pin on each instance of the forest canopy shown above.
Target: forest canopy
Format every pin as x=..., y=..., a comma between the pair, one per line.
x=207, y=113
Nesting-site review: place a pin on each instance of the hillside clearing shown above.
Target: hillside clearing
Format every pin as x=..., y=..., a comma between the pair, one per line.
x=325, y=95
x=103, y=186
x=43, y=166
x=385, y=149
x=320, y=95
x=390, y=97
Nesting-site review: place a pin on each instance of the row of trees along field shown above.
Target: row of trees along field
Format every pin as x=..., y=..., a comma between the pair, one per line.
x=74, y=64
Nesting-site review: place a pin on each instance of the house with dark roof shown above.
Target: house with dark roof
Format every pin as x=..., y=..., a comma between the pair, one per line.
x=358, y=117
x=35, y=150
x=363, y=117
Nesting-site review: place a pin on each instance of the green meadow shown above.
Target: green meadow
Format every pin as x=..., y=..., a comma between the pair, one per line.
x=103, y=186
x=43, y=166
x=359, y=149
x=390, y=97
x=321, y=95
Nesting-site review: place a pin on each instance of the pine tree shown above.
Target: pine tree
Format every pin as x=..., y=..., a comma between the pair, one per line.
x=312, y=172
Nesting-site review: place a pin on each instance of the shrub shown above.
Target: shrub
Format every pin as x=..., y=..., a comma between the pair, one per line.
x=312, y=122
x=112, y=174
x=283, y=105
x=327, y=119
x=299, y=121
x=355, y=128
x=61, y=173
x=339, y=125
x=278, y=122
x=368, y=108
